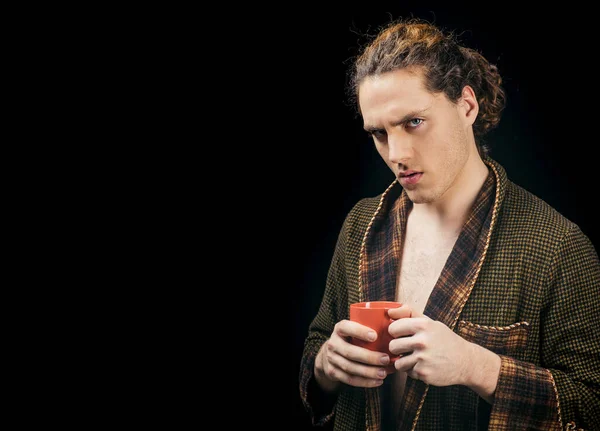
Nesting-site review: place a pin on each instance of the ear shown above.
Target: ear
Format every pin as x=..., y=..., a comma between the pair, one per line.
x=468, y=106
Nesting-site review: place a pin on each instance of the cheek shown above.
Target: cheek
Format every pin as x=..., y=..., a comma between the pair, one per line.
x=453, y=157
x=449, y=148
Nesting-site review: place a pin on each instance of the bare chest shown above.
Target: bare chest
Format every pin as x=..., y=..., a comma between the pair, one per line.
x=423, y=258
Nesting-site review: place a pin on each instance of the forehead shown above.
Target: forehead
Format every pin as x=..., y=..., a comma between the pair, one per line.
x=394, y=93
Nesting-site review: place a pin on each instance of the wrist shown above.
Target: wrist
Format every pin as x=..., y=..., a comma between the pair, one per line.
x=321, y=377
x=482, y=371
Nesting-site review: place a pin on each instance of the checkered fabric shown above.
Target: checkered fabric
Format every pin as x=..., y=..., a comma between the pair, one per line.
x=522, y=281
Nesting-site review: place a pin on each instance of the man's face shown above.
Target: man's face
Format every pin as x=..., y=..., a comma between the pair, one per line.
x=416, y=131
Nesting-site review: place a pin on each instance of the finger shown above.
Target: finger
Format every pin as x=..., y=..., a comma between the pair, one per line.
x=406, y=362
x=348, y=328
x=413, y=374
x=401, y=312
x=407, y=326
x=356, y=370
x=344, y=348
x=366, y=356
x=404, y=345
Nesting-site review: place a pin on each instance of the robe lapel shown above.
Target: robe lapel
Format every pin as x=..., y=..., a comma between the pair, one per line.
x=453, y=287
x=378, y=272
x=382, y=246
x=378, y=267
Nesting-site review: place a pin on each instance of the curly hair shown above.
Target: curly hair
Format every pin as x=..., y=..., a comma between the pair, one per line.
x=448, y=68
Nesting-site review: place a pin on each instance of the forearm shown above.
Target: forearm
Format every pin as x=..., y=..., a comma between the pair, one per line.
x=318, y=398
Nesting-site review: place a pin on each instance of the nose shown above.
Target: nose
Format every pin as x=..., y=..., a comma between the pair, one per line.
x=400, y=148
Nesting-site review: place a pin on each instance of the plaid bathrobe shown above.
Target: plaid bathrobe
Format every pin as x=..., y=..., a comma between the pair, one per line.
x=521, y=281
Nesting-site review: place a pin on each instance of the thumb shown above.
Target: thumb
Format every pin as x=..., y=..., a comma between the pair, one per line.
x=403, y=311
x=416, y=313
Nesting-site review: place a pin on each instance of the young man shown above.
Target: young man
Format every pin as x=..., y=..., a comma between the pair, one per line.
x=500, y=326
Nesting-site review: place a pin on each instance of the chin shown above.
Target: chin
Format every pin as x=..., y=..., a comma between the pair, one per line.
x=420, y=197
x=416, y=198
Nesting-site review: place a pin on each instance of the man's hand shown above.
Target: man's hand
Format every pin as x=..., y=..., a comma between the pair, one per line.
x=434, y=354
x=339, y=360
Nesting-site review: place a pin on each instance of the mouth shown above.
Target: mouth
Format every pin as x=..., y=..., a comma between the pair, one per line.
x=409, y=178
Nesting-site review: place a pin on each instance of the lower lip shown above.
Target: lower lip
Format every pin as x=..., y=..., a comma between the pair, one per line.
x=410, y=180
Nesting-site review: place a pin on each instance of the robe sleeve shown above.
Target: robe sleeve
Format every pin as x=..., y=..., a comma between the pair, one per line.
x=319, y=405
x=563, y=394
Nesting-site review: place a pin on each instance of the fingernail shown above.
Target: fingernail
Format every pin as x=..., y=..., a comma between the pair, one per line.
x=378, y=382
x=385, y=360
x=371, y=335
x=381, y=373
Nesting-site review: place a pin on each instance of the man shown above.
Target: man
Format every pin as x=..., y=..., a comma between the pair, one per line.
x=499, y=329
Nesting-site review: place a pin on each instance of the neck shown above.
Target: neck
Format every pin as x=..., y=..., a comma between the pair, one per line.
x=452, y=210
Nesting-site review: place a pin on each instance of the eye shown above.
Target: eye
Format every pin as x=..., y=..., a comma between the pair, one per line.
x=414, y=123
x=377, y=134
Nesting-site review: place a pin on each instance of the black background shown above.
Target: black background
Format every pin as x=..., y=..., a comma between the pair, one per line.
x=323, y=162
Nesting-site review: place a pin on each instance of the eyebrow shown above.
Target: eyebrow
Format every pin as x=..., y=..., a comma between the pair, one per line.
x=403, y=120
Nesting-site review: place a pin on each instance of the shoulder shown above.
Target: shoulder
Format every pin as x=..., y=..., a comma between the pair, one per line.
x=526, y=206
x=529, y=217
x=364, y=208
x=360, y=215
x=526, y=220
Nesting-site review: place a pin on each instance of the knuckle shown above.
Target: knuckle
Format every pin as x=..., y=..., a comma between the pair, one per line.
x=331, y=373
x=393, y=346
x=419, y=344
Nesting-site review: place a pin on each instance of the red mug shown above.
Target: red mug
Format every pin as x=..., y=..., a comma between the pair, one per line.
x=374, y=314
